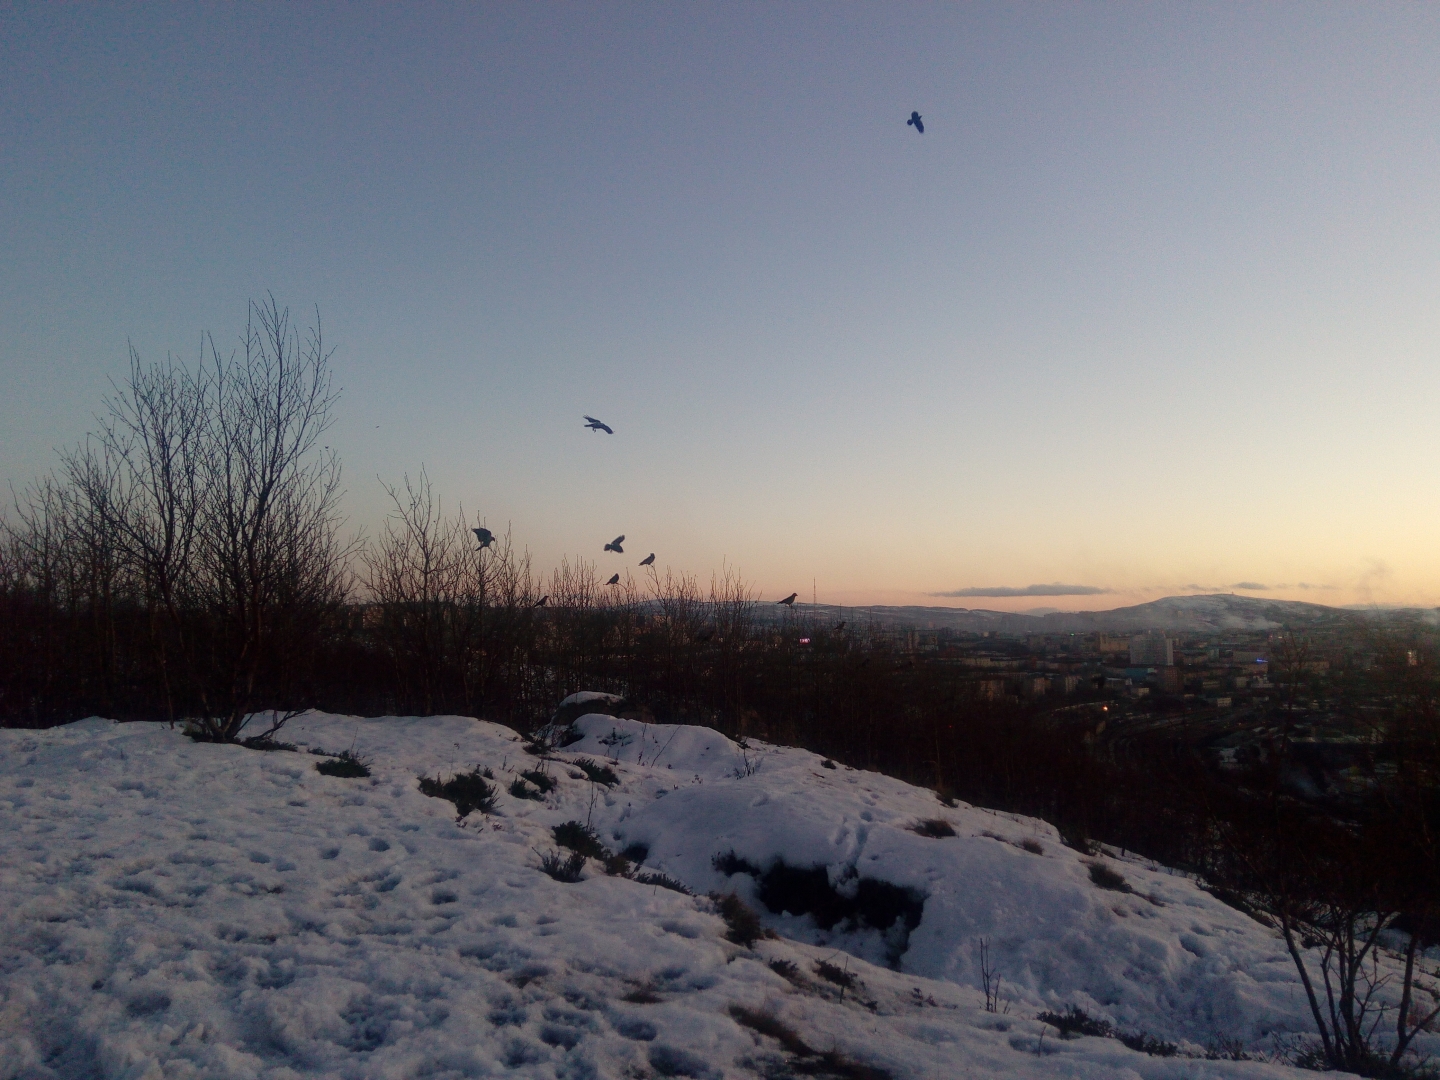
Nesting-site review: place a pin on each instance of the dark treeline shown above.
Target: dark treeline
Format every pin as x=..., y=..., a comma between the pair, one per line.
x=187, y=564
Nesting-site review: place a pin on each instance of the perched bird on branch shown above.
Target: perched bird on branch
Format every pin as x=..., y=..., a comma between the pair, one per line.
x=914, y=122
x=788, y=600
x=648, y=559
x=485, y=536
x=543, y=600
x=614, y=545
x=596, y=425
x=614, y=580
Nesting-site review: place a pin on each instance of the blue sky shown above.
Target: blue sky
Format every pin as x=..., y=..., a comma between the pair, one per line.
x=1149, y=307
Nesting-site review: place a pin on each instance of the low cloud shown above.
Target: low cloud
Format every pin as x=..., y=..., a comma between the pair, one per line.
x=1029, y=590
x=1249, y=586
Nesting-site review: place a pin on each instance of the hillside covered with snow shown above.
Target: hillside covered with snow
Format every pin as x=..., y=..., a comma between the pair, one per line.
x=180, y=909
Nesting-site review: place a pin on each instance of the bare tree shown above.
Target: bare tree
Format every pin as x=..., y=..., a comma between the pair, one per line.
x=269, y=564
x=139, y=478
x=416, y=572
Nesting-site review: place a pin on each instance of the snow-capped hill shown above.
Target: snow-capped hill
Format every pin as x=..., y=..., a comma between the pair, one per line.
x=182, y=909
x=1210, y=613
x=1207, y=613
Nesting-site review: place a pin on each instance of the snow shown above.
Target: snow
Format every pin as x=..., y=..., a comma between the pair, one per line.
x=175, y=909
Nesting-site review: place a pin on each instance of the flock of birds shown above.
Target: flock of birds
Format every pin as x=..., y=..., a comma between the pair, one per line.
x=485, y=537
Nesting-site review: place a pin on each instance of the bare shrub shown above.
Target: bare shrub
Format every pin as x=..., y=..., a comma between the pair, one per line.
x=597, y=773
x=579, y=837
x=563, y=868
x=468, y=791
x=1105, y=877
x=742, y=925
x=345, y=764
x=934, y=828
x=808, y=1061
x=664, y=881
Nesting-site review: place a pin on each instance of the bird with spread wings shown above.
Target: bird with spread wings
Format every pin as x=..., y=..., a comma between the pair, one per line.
x=598, y=425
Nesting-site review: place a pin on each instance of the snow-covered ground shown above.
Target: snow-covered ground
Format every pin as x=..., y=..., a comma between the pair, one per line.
x=174, y=909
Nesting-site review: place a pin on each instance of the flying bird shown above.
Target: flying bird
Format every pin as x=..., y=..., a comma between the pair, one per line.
x=648, y=559
x=596, y=425
x=840, y=627
x=615, y=580
x=543, y=600
x=614, y=545
x=485, y=536
x=706, y=634
x=914, y=122
x=788, y=600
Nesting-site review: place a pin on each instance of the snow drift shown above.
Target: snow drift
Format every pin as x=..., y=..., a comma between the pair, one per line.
x=176, y=909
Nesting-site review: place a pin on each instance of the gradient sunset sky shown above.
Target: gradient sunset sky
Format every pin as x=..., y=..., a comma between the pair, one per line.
x=1149, y=308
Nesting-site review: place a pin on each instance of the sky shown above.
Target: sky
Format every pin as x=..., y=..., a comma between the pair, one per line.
x=1148, y=308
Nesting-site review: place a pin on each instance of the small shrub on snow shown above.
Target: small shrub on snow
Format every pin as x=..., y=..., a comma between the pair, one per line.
x=542, y=780
x=468, y=791
x=832, y=973
x=934, y=828
x=344, y=764
x=562, y=867
x=1147, y=1044
x=1033, y=846
x=787, y=970
x=1076, y=1021
x=259, y=742
x=584, y=841
x=580, y=838
x=616, y=865
x=808, y=1061
x=828, y=764
x=597, y=773
x=743, y=925
x=1103, y=876
x=521, y=790
x=664, y=881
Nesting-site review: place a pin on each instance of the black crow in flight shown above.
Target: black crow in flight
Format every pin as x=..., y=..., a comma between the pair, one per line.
x=614, y=580
x=914, y=122
x=788, y=600
x=596, y=425
x=648, y=559
x=543, y=600
x=614, y=545
x=485, y=536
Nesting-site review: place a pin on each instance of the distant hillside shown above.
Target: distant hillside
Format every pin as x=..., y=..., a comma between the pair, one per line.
x=1211, y=613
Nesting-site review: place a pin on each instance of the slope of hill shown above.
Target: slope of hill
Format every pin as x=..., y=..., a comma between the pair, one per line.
x=178, y=909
